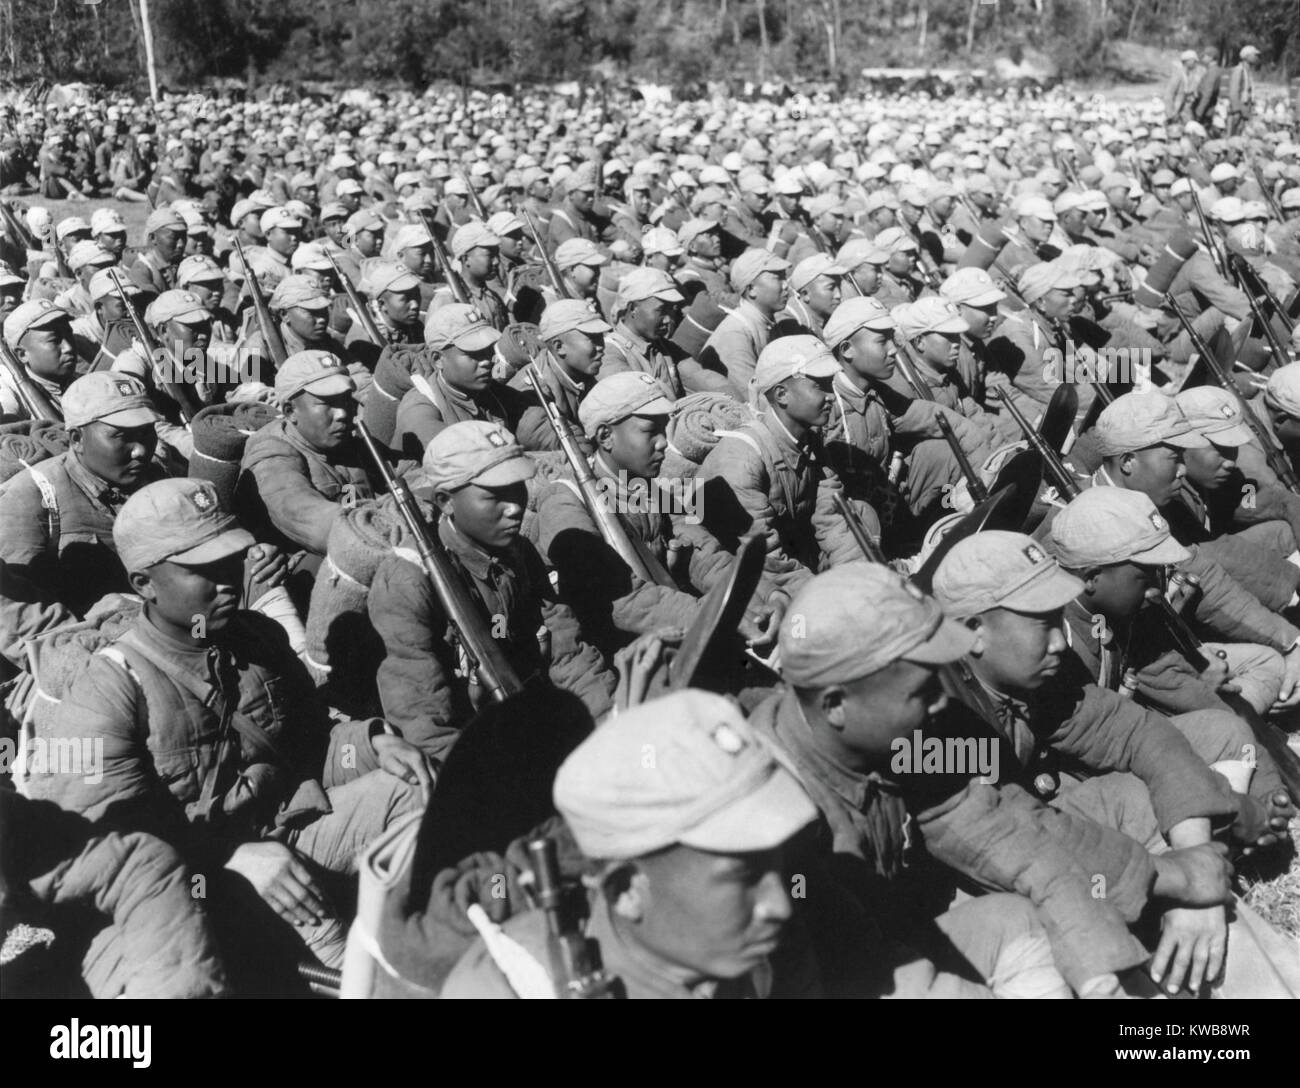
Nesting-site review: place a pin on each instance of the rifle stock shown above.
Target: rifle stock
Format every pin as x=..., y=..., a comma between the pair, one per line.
x=552, y=272
x=487, y=664
x=33, y=397
x=1065, y=482
x=182, y=393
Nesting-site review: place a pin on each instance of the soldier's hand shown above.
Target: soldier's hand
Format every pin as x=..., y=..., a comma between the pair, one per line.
x=637, y=665
x=1193, y=944
x=1198, y=876
x=1289, y=695
x=760, y=626
x=404, y=760
x=281, y=879
x=267, y=565
x=1216, y=675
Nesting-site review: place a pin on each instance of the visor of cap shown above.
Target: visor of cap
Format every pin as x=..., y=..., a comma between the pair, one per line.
x=226, y=543
x=760, y=820
x=515, y=470
x=1165, y=554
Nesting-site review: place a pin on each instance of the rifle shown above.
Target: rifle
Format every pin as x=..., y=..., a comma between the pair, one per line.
x=474, y=198
x=870, y=549
x=359, y=307
x=262, y=309
x=1253, y=284
x=182, y=393
x=552, y=272
x=975, y=485
x=1273, y=453
x=1267, y=190
x=454, y=283
x=1064, y=480
x=33, y=397
x=17, y=229
x=1210, y=244
x=640, y=561
x=486, y=663
x=576, y=966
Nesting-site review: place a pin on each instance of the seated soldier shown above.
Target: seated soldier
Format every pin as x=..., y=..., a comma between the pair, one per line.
x=579, y=262
x=1140, y=438
x=460, y=349
x=862, y=652
x=574, y=335
x=686, y=872
x=1119, y=546
x=300, y=471
x=646, y=312
x=474, y=250
x=815, y=292
x=474, y=477
x=104, y=333
x=182, y=326
x=1231, y=502
x=625, y=417
x=770, y=478
x=302, y=310
x=734, y=346
x=84, y=260
x=1282, y=403
x=40, y=336
x=394, y=304
x=1063, y=729
x=154, y=268
x=213, y=739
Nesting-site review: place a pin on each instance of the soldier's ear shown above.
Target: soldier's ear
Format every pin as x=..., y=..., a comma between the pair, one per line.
x=143, y=585
x=1090, y=577
x=831, y=702
x=1127, y=462
x=976, y=625
x=444, y=502
x=627, y=892
x=605, y=436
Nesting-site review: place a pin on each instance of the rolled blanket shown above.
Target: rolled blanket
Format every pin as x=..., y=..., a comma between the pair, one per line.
x=220, y=433
x=693, y=427
x=17, y=451
x=337, y=623
x=392, y=380
x=53, y=436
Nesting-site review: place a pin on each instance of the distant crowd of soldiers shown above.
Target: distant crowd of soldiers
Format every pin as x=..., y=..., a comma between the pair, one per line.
x=700, y=549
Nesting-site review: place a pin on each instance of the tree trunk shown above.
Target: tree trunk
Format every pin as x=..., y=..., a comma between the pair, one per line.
x=762, y=40
x=970, y=26
x=1133, y=19
x=923, y=23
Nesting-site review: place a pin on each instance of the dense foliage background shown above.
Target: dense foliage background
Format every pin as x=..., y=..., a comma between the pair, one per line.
x=486, y=42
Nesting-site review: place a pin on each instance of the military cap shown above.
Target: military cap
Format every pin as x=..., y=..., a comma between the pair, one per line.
x=1290, y=198
x=473, y=235
x=1162, y=178
x=860, y=312
x=693, y=228
x=333, y=210
x=807, y=270
x=176, y=305
x=583, y=177
x=1115, y=180
x=107, y=221
x=751, y=264
x=1037, y=207
x=570, y=315
x=1037, y=279
x=791, y=356
x=310, y=255
x=86, y=253
x=341, y=160
x=460, y=325
x=164, y=218
x=825, y=204
x=380, y=275
x=1188, y=54
x=1138, y=421
x=244, y=208
x=9, y=278
x=475, y=452
x=36, y=313
x=389, y=158
x=1069, y=201
x=788, y=184
x=857, y=619
x=349, y=187
x=896, y=240
x=72, y=224
x=710, y=194
x=912, y=194
x=1248, y=52
x=178, y=521
x=408, y=236
x=198, y=268
x=1215, y=413
x=859, y=251
x=618, y=396
x=973, y=287
x=715, y=785
x=503, y=224
x=932, y=313
x=997, y=569
x=408, y=177
x=980, y=183
x=751, y=181
x=320, y=373
x=881, y=198
x=364, y=219
x=1182, y=185
x=102, y=283
x=1104, y=526
x=1228, y=209
x=299, y=291
x=280, y=217
x=576, y=251
x=644, y=283
x=108, y=396
x=1282, y=391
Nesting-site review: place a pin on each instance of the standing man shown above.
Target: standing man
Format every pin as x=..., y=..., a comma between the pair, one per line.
x=1178, y=94
x=1241, y=90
